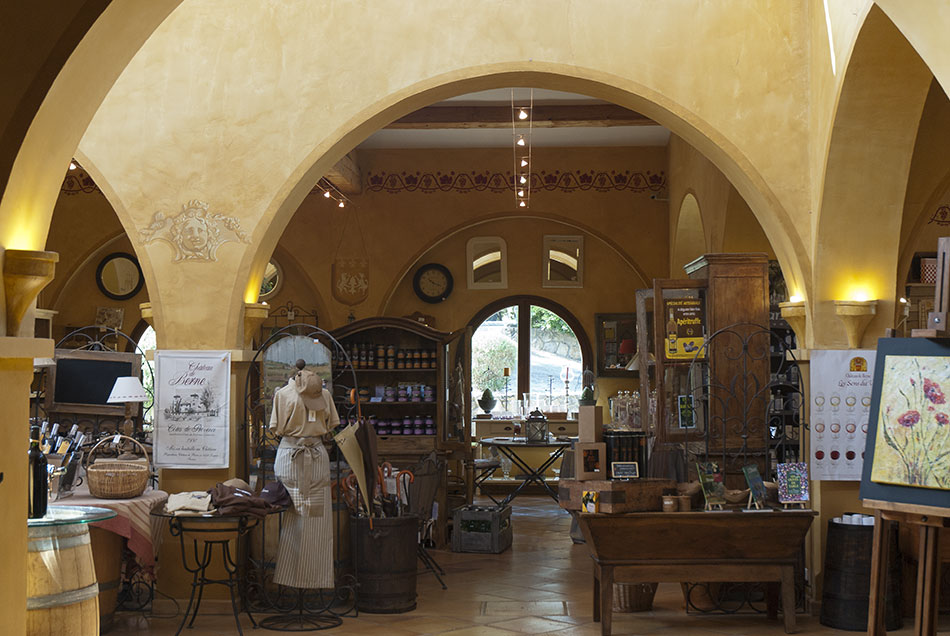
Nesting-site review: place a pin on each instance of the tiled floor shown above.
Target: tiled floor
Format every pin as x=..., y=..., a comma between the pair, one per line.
x=540, y=586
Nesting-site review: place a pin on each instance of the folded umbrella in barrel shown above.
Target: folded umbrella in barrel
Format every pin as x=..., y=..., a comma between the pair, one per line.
x=350, y=447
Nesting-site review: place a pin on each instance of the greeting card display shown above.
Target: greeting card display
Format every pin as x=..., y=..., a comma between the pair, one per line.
x=757, y=492
x=793, y=483
x=710, y=478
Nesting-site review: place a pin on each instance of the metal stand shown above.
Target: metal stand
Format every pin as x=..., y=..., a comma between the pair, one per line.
x=432, y=565
x=178, y=528
x=301, y=618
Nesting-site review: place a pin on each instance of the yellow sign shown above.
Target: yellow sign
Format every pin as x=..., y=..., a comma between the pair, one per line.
x=684, y=329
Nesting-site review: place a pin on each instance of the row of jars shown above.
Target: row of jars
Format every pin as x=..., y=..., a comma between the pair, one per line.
x=370, y=356
x=415, y=425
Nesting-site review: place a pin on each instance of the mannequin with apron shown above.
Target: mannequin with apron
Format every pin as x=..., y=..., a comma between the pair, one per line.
x=302, y=415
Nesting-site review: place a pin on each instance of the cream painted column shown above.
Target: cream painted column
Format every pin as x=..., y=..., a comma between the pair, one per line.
x=16, y=375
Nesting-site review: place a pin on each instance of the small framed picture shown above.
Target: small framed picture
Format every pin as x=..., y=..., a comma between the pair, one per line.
x=590, y=461
x=624, y=470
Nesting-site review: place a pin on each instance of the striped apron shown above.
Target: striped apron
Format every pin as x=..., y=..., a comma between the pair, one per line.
x=305, y=553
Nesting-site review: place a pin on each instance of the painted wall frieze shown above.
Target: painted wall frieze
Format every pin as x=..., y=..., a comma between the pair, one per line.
x=497, y=182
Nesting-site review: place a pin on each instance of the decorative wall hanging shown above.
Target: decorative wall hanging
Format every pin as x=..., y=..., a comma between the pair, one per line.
x=195, y=233
x=504, y=182
x=110, y=317
x=192, y=418
x=350, y=280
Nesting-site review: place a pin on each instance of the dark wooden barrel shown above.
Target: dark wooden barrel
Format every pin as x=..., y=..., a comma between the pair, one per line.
x=847, y=578
x=384, y=558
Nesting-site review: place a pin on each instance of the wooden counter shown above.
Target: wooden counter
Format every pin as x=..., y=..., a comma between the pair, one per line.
x=647, y=547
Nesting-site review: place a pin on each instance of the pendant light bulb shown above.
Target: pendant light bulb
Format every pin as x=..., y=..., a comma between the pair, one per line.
x=326, y=194
x=522, y=114
x=520, y=193
x=342, y=205
x=522, y=205
x=523, y=179
x=524, y=163
x=521, y=140
x=72, y=165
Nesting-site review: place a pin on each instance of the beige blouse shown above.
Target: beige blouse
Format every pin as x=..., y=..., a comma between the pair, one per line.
x=290, y=417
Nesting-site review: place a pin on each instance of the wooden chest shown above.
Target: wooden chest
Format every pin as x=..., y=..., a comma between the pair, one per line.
x=635, y=495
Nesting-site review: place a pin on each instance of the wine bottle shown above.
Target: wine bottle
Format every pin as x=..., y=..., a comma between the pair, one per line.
x=38, y=478
x=671, y=334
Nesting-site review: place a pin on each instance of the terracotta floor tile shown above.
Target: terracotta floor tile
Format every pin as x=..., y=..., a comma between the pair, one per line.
x=542, y=585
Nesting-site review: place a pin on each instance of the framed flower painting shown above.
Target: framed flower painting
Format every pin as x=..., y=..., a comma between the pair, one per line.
x=907, y=457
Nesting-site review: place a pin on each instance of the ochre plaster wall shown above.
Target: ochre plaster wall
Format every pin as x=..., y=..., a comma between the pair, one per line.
x=692, y=173
x=282, y=108
x=625, y=231
x=928, y=187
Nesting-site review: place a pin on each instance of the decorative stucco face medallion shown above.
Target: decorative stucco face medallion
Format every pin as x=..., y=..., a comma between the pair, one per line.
x=195, y=233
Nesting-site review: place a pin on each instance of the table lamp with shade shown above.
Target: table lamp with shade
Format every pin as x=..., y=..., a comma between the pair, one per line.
x=128, y=390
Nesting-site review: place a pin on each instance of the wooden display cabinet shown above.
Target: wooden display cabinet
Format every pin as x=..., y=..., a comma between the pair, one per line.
x=444, y=371
x=733, y=292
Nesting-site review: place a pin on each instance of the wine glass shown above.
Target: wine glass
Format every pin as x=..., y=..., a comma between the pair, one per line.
x=506, y=466
x=850, y=401
x=820, y=401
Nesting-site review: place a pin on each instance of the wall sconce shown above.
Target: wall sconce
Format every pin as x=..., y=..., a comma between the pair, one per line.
x=25, y=274
x=147, y=315
x=795, y=314
x=855, y=315
x=254, y=316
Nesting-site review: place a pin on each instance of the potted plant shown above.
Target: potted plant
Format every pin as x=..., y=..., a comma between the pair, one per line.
x=487, y=401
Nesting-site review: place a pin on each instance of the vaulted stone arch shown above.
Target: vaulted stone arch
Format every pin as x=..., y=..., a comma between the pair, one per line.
x=856, y=241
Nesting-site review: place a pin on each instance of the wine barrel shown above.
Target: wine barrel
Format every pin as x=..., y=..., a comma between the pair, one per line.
x=62, y=593
x=847, y=578
x=384, y=558
x=107, y=549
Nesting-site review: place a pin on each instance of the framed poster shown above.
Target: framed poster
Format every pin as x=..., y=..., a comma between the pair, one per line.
x=840, y=408
x=192, y=409
x=907, y=456
x=590, y=461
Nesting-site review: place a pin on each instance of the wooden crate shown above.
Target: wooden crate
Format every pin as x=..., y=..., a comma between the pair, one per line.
x=635, y=495
x=481, y=529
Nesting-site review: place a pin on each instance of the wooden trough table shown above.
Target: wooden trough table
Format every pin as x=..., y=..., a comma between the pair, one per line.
x=732, y=546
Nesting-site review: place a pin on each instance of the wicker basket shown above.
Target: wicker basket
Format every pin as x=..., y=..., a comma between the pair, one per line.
x=633, y=597
x=115, y=479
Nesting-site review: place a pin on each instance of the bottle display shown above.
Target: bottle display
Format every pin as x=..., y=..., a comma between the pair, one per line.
x=38, y=479
x=671, y=335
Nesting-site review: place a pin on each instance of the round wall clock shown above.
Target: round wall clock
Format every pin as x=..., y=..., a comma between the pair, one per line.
x=432, y=282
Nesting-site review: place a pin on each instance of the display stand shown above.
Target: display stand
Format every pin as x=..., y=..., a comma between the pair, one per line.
x=930, y=519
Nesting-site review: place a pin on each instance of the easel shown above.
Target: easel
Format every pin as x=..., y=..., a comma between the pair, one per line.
x=713, y=506
x=930, y=519
x=793, y=505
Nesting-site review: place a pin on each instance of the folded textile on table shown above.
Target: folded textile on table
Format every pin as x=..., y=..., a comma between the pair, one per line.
x=194, y=501
x=230, y=500
x=275, y=494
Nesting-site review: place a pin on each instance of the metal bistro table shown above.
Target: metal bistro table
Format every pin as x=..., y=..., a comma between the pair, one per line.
x=509, y=447
x=210, y=530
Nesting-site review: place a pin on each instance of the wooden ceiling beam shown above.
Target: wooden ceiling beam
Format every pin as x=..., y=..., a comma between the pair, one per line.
x=345, y=175
x=544, y=116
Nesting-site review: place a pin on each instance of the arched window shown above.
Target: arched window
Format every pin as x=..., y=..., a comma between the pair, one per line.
x=541, y=345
